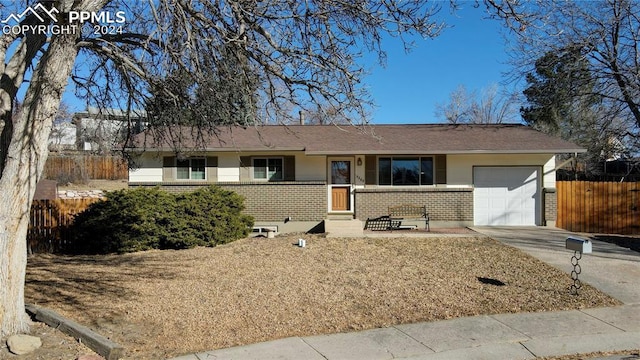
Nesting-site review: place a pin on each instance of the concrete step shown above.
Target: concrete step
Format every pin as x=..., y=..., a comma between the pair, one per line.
x=343, y=228
x=338, y=216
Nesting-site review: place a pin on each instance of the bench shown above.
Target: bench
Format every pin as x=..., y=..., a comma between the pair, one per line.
x=410, y=212
x=381, y=223
x=397, y=214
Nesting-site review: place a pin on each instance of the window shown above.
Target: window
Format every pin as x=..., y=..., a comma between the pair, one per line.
x=405, y=171
x=426, y=171
x=384, y=171
x=191, y=169
x=267, y=169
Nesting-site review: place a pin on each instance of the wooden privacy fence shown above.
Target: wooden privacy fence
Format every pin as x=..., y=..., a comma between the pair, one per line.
x=599, y=207
x=50, y=221
x=86, y=166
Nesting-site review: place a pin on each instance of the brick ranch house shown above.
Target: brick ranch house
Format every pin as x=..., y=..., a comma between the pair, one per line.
x=293, y=177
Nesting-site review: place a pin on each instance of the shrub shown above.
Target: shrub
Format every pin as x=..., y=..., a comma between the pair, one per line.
x=149, y=218
x=212, y=216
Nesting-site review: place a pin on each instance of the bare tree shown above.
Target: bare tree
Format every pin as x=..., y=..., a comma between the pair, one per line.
x=455, y=111
x=490, y=107
x=606, y=32
x=302, y=53
x=308, y=48
x=325, y=115
x=61, y=129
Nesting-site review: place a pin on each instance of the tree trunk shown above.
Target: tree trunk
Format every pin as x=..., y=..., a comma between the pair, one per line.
x=25, y=158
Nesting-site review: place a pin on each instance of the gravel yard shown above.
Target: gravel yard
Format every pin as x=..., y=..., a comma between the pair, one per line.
x=160, y=304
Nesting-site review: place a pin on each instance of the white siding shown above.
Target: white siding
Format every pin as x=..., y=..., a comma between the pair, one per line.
x=549, y=170
x=311, y=168
x=359, y=172
x=98, y=133
x=228, y=167
x=460, y=167
x=314, y=168
x=308, y=168
x=149, y=170
x=62, y=136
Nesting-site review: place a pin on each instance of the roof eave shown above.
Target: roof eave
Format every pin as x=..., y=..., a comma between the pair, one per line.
x=443, y=152
x=231, y=149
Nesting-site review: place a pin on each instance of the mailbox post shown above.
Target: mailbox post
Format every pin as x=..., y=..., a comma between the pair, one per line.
x=579, y=246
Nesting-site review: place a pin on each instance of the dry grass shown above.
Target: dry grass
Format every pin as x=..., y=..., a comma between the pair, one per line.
x=165, y=303
x=105, y=185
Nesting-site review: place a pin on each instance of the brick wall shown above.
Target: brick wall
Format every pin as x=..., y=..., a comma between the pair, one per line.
x=174, y=187
x=273, y=201
x=550, y=205
x=307, y=201
x=303, y=201
x=443, y=204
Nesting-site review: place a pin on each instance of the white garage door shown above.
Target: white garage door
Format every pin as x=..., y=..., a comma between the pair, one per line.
x=506, y=196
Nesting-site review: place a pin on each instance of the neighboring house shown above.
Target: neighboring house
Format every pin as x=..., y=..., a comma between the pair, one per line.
x=100, y=131
x=295, y=176
x=62, y=137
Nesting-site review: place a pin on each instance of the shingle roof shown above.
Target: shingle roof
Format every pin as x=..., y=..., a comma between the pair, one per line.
x=381, y=139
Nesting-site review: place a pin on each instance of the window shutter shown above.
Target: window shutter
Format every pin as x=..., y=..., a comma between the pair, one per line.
x=370, y=170
x=289, y=168
x=168, y=168
x=441, y=169
x=245, y=168
x=212, y=168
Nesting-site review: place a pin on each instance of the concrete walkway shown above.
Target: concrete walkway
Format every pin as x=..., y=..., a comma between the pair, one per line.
x=611, y=269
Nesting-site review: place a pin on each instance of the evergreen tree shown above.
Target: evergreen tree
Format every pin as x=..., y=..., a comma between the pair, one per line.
x=226, y=94
x=561, y=101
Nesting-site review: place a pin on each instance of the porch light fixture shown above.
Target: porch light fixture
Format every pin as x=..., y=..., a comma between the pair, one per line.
x=359, y=161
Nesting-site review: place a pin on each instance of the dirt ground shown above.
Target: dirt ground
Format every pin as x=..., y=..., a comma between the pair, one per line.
x=105, y=185
x=159, y=304
x=55, y=346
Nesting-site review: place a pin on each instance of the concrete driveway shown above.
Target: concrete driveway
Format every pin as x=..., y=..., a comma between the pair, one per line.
x=610, y=268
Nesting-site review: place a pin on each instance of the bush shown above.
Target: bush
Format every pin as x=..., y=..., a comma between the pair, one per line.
x=212, y=216
x=149, y=218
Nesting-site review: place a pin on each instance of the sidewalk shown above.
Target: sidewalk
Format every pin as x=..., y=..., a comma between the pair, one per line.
x=504, y=336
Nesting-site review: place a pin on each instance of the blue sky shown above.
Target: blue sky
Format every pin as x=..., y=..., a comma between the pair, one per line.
x=471, y=53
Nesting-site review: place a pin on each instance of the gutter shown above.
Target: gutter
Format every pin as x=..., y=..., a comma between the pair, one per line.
x=191, y=150
x=444, y=152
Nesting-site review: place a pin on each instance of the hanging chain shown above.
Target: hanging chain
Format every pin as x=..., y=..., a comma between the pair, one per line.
x=575, y=287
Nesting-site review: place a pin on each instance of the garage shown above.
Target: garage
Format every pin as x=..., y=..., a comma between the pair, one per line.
x=506, y=195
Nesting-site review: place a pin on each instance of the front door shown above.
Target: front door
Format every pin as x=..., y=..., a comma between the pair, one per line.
x=340, y=185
